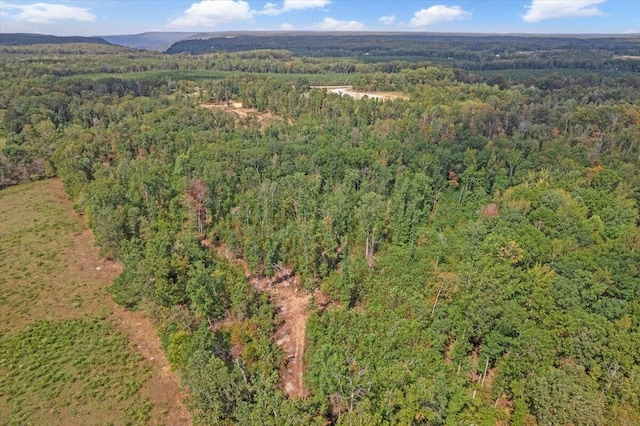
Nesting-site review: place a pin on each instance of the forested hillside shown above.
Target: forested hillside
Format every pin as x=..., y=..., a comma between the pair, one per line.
x=472, y=250
x=22, y=39
x=471, y=52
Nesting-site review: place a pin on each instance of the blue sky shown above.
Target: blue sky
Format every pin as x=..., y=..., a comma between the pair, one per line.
x=109, y=17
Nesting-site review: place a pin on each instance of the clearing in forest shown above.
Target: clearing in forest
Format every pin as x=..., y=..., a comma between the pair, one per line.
x=292, y=306
x=235, y=107
x=359, y=94
x=68, y=355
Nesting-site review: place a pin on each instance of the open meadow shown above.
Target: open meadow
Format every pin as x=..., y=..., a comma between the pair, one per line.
x=65, y=357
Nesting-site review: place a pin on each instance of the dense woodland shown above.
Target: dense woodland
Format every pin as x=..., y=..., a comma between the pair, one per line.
x=478, y=242
x=470, y=52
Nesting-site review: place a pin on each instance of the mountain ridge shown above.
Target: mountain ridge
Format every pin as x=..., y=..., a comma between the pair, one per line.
x=150, y=40
x=24, y=39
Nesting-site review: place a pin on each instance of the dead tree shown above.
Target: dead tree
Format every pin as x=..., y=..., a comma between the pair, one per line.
x=196, y=196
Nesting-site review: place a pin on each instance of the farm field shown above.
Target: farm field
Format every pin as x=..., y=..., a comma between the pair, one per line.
x=66, y=357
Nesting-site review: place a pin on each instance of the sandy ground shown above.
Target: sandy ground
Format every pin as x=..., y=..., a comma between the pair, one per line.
x=355, y=94
x=264, y=118
x=235, y=107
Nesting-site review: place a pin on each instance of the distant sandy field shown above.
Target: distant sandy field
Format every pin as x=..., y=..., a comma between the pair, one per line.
x=356, y=94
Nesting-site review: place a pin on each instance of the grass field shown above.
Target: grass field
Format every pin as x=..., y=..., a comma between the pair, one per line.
x=199, y=75
x=62, y=358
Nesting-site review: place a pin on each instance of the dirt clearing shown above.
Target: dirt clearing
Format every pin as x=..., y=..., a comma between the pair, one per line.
x=235, y=107
x=357, y=94
x=292, y=306
x=264, y=118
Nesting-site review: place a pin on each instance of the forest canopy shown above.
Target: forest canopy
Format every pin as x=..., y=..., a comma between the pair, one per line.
x=470, y=249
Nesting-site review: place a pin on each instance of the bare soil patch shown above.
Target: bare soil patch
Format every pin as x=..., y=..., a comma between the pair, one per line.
x=263, y=118
x=293, y=310
x=491, y=210
x=358, y=94
x=235, y=107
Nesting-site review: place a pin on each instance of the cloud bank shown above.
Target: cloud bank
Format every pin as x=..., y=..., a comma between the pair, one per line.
x=541, y=10
x=209, y=13
x=388, y=20
x=330, y=24
x=45, y=13
x=438, y=14
x=289, y=5
x=272, y=9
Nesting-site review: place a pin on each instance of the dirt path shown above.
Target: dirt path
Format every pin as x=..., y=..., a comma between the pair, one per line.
x=162, y=389
x=293, y=310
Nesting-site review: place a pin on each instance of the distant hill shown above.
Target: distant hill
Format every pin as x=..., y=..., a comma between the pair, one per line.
x=469, y=48
x=23, y=39
x=159, y=41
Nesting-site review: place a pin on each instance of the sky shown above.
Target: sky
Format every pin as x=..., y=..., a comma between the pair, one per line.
x=112, y=17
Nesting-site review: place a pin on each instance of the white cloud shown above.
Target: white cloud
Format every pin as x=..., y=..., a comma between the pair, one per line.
x=330, y=24
x=209, y=13
x=388, y=20
x=45, y=13
x=287, y=27
x=270, y=9
x=438, y=14
x=292, y=5
x=541, y=10
x=304, y=4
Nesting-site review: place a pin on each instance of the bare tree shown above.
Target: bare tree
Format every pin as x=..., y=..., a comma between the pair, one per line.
x=352, y=388
x=196, y=196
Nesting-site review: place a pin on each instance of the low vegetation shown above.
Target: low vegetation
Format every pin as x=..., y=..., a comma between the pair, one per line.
x=61, y=355
x=79, y=370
